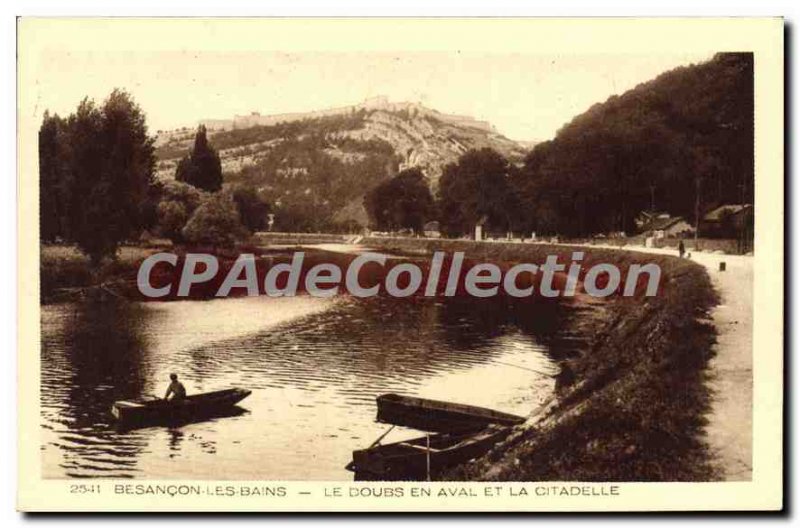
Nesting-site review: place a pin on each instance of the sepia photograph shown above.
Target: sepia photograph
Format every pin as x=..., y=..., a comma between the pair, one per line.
x=264, y=265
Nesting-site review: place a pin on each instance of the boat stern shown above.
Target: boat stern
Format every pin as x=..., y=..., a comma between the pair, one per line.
x=121, y=410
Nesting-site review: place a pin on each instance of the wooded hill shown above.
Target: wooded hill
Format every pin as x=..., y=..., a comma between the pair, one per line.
x=681, y=141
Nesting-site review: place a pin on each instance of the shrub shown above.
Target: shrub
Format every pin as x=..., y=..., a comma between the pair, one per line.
x=216, y=221
x=178, y=202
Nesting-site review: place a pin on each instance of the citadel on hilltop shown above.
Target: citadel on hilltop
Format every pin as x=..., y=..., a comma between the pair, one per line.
x=378, y=103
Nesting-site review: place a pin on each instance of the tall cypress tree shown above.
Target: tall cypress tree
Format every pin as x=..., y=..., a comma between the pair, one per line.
x=202, y=168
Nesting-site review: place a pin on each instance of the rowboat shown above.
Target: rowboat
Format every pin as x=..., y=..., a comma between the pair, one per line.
x=149, y=410
x=418, y=458
x=439, y=416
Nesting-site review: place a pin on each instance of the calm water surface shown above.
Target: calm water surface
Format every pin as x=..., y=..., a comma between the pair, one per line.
x=315, y=367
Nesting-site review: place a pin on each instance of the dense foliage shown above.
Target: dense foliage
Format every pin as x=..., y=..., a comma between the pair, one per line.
x=681, y=143
x=177, y=203
x=402, y=202
x=96, y=172
x=476, y=189
x=202, y=167
x=253, y=209
x=215, y=222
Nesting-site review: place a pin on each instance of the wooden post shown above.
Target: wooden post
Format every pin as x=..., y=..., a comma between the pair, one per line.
x=428, y=455
x=696, y=210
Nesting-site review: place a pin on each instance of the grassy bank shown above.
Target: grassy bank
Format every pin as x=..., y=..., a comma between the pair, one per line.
x=630, y=406
x=63, y=268
x=66, y=273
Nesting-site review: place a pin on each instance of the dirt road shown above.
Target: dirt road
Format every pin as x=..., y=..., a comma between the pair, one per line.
x=730, y=427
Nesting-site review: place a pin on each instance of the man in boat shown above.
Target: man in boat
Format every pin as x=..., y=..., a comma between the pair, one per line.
x=176, y=389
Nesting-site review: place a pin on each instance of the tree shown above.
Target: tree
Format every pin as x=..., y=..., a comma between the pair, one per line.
x=253, y=210
x=53, y=177
x=177, y=204
x=683, y=141
x=216, y=222
x=202, y=167
x=172, y=218
x=404, y=201
x=104, y=163
x=96, y=171
x=476, y=187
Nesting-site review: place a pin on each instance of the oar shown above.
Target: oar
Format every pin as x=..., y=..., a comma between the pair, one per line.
x=381, y=437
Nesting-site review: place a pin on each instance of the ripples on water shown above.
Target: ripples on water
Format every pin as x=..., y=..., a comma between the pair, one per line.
x=315, y=367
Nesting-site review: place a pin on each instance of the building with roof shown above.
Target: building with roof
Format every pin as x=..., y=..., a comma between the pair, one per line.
x=646, y=217
x=673, y=226
x=727, y=221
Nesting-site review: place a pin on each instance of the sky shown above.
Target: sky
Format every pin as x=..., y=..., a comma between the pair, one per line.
x=527, y=96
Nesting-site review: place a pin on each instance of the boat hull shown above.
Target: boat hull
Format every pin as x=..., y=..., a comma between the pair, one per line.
x=413, y=460
x=439, y=416
x=152, y=411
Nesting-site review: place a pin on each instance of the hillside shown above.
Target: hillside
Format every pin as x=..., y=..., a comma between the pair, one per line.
x=316, y=167
x=678, y=143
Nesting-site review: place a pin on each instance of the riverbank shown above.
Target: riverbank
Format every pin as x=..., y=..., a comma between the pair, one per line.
x=632, y=405
x=67, y=274
x=64, y=271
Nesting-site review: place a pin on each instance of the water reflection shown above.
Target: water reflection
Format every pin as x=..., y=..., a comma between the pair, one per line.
x=314, y=365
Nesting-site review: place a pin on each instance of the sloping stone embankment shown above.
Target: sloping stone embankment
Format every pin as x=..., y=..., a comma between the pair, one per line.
x=633, y=405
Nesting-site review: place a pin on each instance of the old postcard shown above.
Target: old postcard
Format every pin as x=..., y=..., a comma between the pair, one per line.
x=400, y=264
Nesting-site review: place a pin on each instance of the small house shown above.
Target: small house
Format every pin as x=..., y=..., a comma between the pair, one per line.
x=671, y=227
x=727, y=221
x=647, y=217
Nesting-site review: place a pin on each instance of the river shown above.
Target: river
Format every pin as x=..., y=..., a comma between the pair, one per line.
x=314, y=365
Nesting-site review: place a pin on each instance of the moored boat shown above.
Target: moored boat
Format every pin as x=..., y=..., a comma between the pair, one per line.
x=419, y=458
x=149, y=410
x=439, y=416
